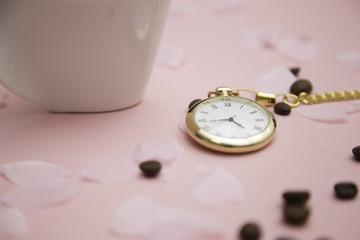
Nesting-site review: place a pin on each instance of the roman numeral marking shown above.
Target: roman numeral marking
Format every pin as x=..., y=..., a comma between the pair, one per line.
x=213, y=106
x=257, y=128
x=259, y=120
x=227, y=104
x=253, y=112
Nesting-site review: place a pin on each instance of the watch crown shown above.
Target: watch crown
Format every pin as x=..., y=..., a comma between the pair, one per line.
x=223, y=91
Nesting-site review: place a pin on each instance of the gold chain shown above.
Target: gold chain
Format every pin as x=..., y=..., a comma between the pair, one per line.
x=320, y=98
x=269, y=99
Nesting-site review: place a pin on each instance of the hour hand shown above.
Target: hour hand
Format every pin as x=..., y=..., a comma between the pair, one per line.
x=239, y=124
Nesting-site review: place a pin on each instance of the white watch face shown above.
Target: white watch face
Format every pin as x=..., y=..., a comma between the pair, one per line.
x=231, y=119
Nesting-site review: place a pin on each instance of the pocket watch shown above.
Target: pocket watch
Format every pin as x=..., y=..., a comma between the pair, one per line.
x=229, y=123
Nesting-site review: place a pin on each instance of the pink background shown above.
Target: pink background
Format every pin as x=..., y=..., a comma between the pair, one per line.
x=305, y=154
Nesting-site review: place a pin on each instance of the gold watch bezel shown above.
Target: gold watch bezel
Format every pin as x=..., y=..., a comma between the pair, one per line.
x=229, y=145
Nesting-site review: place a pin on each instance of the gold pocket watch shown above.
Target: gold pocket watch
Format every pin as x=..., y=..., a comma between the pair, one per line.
x=226, y=122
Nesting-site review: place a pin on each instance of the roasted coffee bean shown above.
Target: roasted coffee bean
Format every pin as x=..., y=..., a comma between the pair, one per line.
x=345, y=190
x=295, y=71
x=282, y=108
x=150, y=168
x=296, y=215
x=301, y=85
x=250, y=231
x=193, y=102
x=356, y=153
x=296, y=197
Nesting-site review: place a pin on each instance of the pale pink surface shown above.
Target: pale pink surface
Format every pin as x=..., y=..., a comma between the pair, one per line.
x=305, y=154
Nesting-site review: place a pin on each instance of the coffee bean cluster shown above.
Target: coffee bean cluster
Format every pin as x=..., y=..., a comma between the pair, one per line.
x=299, y=86
x=295, y=210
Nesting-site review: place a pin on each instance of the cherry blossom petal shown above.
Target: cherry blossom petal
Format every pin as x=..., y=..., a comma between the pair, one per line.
x=302, y=48
x=277, y=80
x=157, y=146
x=350, y=59
x=169, y=58
x=12, y=223
x=213, y=187
x=182, y=124
x=326, y=112
x=145, y=217
x=179, y=224
x=26, y=172
x=164, y=148
x=111, y=169
x=40, y=195
x=268, y=37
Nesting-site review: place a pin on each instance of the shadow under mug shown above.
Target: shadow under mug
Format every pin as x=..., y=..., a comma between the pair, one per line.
x=80, y=56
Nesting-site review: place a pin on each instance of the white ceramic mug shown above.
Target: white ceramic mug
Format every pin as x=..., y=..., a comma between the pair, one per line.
x=80, y=55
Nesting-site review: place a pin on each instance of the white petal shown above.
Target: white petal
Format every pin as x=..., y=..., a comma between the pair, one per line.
x=12, y=223
x=328, y=112
x=182, y=124
x=170, y=56
x=26, y=172
x=214, y=187
x=268, y=37
x=136, y=217
x=350, y=59
x=176, y=224
x=110, y=170
x=277, y=80
x=302, y=48
x=39, y=195
x=144, y=217
x=157, y=146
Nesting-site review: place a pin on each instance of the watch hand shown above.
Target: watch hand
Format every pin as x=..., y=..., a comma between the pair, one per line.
x=232, y=120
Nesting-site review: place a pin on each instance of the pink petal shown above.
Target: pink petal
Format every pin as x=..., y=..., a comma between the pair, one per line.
x=39, y=195
x=26, y=172
x=144, y=217
x=302, y=48
x=157, y=146
x=110, y=170
x=328, y=112
x=171, y=170
x=179, y=224
x=182, y=124
x=164, y=148
x=350, y=59
x=268, y=37
x=169, y=57
x=12, y=223
x=136, y=217
x=213, y=187
x=277, y=80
